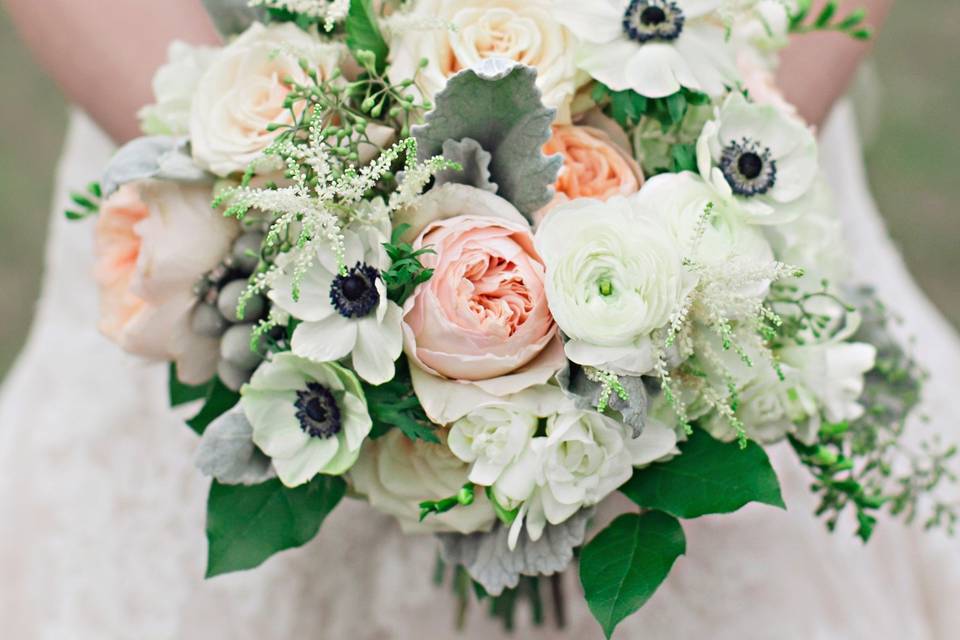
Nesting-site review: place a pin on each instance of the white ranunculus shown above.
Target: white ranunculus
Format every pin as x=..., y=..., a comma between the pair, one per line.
x=309, y=417
x=653, y=47
x=614, y=275
x=395, y=474
x=243, y=91
x=758, y=159
x=682, y=199
x=583, y=458
x=469, y=31
x=490, y=438
x=346, y=314
x=174, y=85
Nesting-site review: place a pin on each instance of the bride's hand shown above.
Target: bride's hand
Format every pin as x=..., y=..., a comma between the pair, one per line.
x=817, y=68
x=103, y=53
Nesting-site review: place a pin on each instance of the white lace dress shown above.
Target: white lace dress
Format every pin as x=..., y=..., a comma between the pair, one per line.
x=102, y=513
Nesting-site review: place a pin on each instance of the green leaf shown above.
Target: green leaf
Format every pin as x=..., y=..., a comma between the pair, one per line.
x=218, y=400
x=852, y=20
x=626, y=562
x=395, y=405
x=708, y=477
x=363, y=34
x=180, y=393
x=684, y=157
x=246, y=524
x=824, y=18
x=676, y=107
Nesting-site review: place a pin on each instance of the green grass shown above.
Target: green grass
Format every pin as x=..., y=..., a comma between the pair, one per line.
x=912, y=159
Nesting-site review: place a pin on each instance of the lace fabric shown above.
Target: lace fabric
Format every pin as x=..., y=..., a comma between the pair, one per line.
x=102, y=512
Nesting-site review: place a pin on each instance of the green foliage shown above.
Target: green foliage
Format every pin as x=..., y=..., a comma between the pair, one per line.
x=405, y=271
x=867, y=465
x=803, y=21
x=217, y=399
x=88, y=202
x=629, y=108
x=464, y=497
x=363, y=35
x=248, y=524
x=395, y=405
x=623, y=566
x=684, y=157
x=708, y=477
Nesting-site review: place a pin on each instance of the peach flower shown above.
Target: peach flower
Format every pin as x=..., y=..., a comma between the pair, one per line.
x=593, y=165
x=154, y=241
x=483, y=317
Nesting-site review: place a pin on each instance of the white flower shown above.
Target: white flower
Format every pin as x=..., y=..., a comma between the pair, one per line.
x=583, y=458
x=653, y=47
x=614, y=275
x=174, y=85
x=466, y=32
x=346, y=314
x=395, y=474
x=309, y=417
x=490, y=438
x=243, y=91
x=759, y=159
x=154, y=241
x=833, y=372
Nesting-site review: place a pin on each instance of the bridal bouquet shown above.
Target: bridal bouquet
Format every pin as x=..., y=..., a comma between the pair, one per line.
x=486, y=263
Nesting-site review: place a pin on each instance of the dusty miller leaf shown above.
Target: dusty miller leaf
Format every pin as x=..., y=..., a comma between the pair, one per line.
x=489, y=560
x=585, y=393
x=475, y=163
x=497, y=103
x=227, y=453
x=231, y=17
x=160, y=157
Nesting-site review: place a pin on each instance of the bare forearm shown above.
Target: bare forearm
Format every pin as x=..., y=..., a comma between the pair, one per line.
x=817, y=68
x=103, y=53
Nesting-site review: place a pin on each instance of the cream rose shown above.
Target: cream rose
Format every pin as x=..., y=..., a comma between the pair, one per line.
x=520, y=30
x=396, y=474
x=593, y=166
x=243, y=91
x=174, y=85
x=614, y=275
x=154, y=240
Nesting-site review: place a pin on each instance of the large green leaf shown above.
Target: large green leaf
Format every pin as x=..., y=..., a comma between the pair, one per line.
x=248, y=524
x=708, y=476
x=626, y=562
x=363, y=34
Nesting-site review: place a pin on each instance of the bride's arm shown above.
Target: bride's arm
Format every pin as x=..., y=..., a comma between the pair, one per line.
x=817, y=68
x=103, y=53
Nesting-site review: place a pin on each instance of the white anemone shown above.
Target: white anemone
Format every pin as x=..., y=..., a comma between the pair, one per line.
x=759, y=159
x=309, y=417
x=653, y=47
x=346, y=314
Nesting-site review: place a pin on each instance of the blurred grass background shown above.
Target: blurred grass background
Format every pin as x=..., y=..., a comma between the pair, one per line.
x=913, y=152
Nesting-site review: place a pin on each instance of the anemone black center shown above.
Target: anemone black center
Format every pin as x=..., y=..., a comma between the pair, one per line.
x=317, y=411
x=355, y=295
x=748, y=167
x=653, y=16
x=653, y=20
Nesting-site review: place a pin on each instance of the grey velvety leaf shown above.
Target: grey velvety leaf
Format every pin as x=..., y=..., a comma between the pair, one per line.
x=227, y=452
x=231, y=17
x=586, y=395
x=161, y=157
x=475, y=163
x=497, y=103
x=489, y=560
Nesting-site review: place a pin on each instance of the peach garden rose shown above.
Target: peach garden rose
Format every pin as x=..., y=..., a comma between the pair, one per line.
x=154, y=241
x=593, y=165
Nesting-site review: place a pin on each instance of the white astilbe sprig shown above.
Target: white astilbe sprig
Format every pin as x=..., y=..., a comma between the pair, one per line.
x=330, y=11
x=726, y=309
